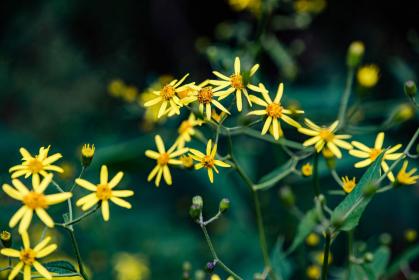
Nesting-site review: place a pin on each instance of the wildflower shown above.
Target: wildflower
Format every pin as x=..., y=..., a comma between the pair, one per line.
x=355, y=53
x=131, y=266
x=33, y=201
x=325, y=137
x=187, y=161
x=327, y=153
x=167, y=97
x=273, y=110
x=348, y=184
x=116, y=87
x=369, y=155
x=410, y=235
x=163, y=159
x=28, y=257
x=103, y=192
x=6, y=238
x=204, y=95
x=251, y=5
x=237, y=83
x=217, y=117
x=310, y=6
x=368, y=75
x=35, y=165
x=313, y=272
x=208, y=160
x=406, y=178
x=129, y=94
x=312, y=239
x=87, y=153
x=307, y=170
x=403, y=112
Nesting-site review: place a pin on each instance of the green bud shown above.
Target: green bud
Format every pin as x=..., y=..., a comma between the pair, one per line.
x=385, y=239
x=369, y=190
x=224, y=205
x=368, y=257
x=322, y=199
x=197, y=200
x=286, y=196
x=6, y=238
x=410, y=89
x=187, y=266
x=199, y=275
x=195, y=211
x=355, y=53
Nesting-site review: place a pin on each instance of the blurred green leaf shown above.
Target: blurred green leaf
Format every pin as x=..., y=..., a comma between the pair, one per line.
x=273, y=177
x=280, y=264
x=60, y=267
x=405, y=258
x=380, y=262
x=306, y=226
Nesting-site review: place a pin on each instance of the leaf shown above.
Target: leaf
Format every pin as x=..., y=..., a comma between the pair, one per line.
x=60, y=267
x=361, y=272
x=306, y=226
x=280, y=265
x=350, y=210
x=406, y=257
x=273, y=177
x=380, y=261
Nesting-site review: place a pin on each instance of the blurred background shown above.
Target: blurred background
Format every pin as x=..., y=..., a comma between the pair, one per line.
x=75, y=72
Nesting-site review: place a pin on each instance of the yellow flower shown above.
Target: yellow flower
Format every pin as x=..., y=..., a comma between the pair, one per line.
x=323, y=137
x=204, y=95
x=348, y=184
x=370, y=154
x=216, y=277
x=167, y=97
x=407, y=178
x=410, y=235
x=307, y=169
x=309, y=6
x=187, y=161
x=103, y=192
x=131, y=267
x=116, y=87
x=251, y=5
x=129, y=94
x=35, y=165
x=208, y=160
x=28, y=257
x=163, y=159
x=312, y=239
x=313, y=272
x=319, y=257
x=273, y=110
x=87, y=153
x=237, y=82
x=33, y=201
x=327, y=153
x=368, y=75
x=217, y=117
x=186, y=130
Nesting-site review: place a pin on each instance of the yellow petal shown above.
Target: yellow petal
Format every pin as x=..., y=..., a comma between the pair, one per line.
x=15, y=271
x=105, y=210
x=121, y=202
x=26, y=220
x=167, y=175
x=86, y=184
x=104, y=175
x=116, y=179
x=237, y=65
x=124, y=193
x=18, y=216
x=46, y=251
x=42, y=270
x=57, y=198
x=9, y=252
x=379, y=140
x=363, y=163
x=13, y=193
x=43, y=215
x=42, y=244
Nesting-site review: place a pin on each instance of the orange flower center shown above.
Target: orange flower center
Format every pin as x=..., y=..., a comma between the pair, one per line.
x=374, y=153
x=35, y=165
x=27, y=256
x=167, y=92
x=236, y=81
x=208, y=161
x=35, y=200
x=326, y=135
x=163, y=159
x=205, y=95
x=103, y=192
x=274, y=110
x=184, y=127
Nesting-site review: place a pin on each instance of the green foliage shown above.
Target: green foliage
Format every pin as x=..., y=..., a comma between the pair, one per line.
x=280, y=264
x=405, y=258
x=60, y=267
x=273, y=177
x=306, y=226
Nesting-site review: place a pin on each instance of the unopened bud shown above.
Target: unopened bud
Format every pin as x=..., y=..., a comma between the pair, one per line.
x=369, y=190
x=286, y=196
x=385, y=239
x=355, y=53
x=210, y=266
x=199, y=275
x=197, y=200
x=322, y=199
x=87, y=153
x=410, y=89
x=224, y=205
x=195, y=211
x=403, y=112
x=6, y=238
x=368, y=257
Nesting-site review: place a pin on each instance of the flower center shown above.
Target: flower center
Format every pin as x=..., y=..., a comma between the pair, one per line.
x=326, y=135
x=205, y=95
x=274, y=110
x=236, y=81
x=167, y=92
x=35, y=200
x=374, y=153
x=103, y=192
x=208, y=161
x=184, y=127
x=35, y=165
x=27, y=256
x=163, y=159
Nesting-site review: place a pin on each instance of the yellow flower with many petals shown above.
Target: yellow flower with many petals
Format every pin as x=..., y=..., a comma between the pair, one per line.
x=405, y=177
x=28, y=257
x=163, y=159
x=33, y=201
x=167, y=98
x=273, y=110
x=35, y=165
x=368, y=75
x=204, y=95
x=369, y=155
x=325, y=137
x=103, y=193
x=186, y=130
x=238, y=82
x=208, y=160
x=348, y=184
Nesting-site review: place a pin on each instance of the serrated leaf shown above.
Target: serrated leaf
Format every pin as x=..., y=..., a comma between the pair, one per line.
x=273, y=177
x=60, y=267
x=280, y=265
x=350, y=210
x=306, y=226
x=405, y=258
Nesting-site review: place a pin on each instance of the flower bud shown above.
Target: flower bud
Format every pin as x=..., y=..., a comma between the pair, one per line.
x=355, y=53
x=286, y=196
x=199, y=275
x=403, y=112
x=385, y=239
x=369, y=190
x=87, y=153
x=195, y=211
x=224, y=205
x=410, y=89
x=6, y=238
x=197, y=200
x=210, y=266
x=368, y=257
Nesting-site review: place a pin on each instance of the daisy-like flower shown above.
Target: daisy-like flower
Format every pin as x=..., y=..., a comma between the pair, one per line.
x=103, y=193
x=238, y=82
x=208, y=160
x=40, y=164
x=204, y=95
x=405, y=177
x=348, y=184
x=28, y=257
x=369, y=155
x=186, y=130
x=325, y=137
x=167, y=96
x=273, y=110
x=33, y=201
x=164, y=159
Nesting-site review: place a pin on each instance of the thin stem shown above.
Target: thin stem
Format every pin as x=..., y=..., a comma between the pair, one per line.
x=80, y=175
x=70, y=208
x=350, y=250
x=78, y=219
x=325, y=266
x=345, y=97
x=336, y=177
x=316, y=187
x=77, y=252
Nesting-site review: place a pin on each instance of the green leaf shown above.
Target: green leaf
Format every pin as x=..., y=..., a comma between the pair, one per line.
x=273, y=177
x=280, y=265
x=349, y=211
x=380, y=261
x=406, y=257
x=306, y=226
x=60, y=267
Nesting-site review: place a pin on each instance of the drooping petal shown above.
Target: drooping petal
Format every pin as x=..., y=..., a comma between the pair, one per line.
x=26, y=220
x=335, y=150
x=266, y=125
x=167, y=176
x=45, y=218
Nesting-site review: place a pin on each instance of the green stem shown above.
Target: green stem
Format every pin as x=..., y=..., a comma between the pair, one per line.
x=80, y=175
x=77, y=252
x=350, y=251
x=70, y=208
x=345, y=97
x=325, y=266
x=78, y=219
x=316, y=187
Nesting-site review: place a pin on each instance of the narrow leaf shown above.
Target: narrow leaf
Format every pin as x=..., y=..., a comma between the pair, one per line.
x=306, y=226
x=273, y=177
